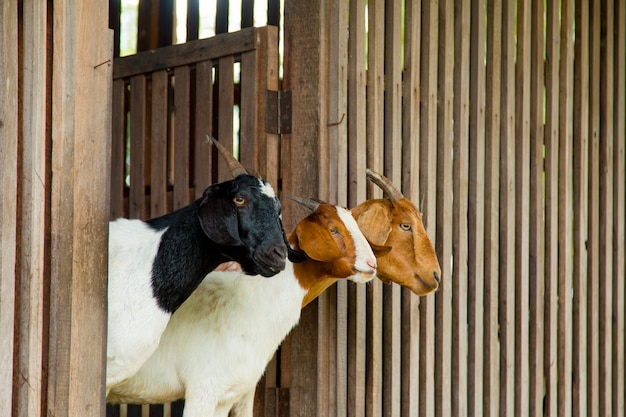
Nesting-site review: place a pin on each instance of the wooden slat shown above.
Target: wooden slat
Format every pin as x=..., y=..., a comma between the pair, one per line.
x=476, y=210
x=522, y=204
x=460, y=216
x=507, y=214
x=225, y=112
x=33, y=182
x=199, y=50
x=8, y=199
x=203, y=163
x=428, y=193
x=375, y=147
x=619, y=213
x=158, y=143
x=607, y=86
x=536, y=267
x=566, y=119
x=445, y=201
x=581, y=201
x=593, y=251
x=491, y=379
x=182, y=91
x=136, y=205
x=118, y=150
x=392, y=153
x=250, y=139
x=551, y=144
x=410, y=187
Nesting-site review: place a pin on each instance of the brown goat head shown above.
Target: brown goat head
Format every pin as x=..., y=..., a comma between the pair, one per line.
x=396, y=223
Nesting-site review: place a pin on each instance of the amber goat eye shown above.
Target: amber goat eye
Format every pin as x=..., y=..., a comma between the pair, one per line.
x=405, y=226
x=239, y=200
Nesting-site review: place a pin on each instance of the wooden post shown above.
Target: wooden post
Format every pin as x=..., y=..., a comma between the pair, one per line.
x=81, y=136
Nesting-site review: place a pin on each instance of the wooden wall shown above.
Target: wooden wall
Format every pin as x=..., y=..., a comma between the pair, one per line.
x=55, y=63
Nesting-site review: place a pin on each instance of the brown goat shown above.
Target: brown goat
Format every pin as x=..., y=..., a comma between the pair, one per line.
x=394, y=228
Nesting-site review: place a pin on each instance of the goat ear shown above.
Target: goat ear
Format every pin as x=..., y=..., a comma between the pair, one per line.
x=380, y=250
x=219, y=221
x=317, y=242
x=375, y=224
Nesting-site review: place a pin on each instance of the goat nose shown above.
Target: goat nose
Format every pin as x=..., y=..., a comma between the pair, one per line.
x=280, y=251
x=437, y=276
x=371, y=263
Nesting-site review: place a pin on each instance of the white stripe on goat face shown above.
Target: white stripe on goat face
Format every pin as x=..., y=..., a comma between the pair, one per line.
x=365, y=262
x=267, y=189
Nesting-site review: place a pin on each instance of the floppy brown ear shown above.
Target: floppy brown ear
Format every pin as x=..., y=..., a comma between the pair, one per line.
x=317, y=242
x=375, y=224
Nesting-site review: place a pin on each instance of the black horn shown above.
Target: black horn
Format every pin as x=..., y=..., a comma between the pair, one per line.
x=234, y=165
x=385, y=184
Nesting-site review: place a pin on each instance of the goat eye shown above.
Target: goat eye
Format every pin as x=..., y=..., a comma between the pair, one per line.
x=405, y=226
x=239, y=200
x=334, y=231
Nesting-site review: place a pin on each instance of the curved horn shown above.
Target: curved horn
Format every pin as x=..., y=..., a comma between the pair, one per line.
x=310, y=204
x=234, y=165
x=385, y=184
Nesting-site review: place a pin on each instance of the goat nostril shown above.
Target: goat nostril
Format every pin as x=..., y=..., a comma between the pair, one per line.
x=282, y=252
x=371, y=264
x=437, y=276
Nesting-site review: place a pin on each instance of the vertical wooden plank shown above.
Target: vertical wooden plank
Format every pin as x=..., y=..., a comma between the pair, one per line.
x=461, y=151
x=80, y=159
x=118, y=149
x=305, y=74
x=181, y=138
x=357, y=163
x=428, y=193
x=29, y=386
x=410, y=186
x=607, y=86
x=522, y=204
x=551, y=133
x=250, y=138
x=536, y=211
x=619, y=213
x=225, y=112
x=491, y=376
x=566, y=114
x=476, y=209
x=392, y=154
x=375, y=147
x=8, y=199
x=507, y=214
x=203, y=162
x=581, y=186
x=593, y=242
x=158, y=143
x=193, y=19
x=444, y=208
x=138, y=120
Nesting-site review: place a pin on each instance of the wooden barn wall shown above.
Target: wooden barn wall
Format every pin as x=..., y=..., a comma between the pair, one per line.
x=55, y=66
x=504, y=122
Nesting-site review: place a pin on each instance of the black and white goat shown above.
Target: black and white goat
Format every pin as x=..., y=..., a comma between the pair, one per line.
x=217, y=345
x=155, y=265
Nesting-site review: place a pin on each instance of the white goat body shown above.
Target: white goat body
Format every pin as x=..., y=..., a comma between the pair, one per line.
x=217, y=345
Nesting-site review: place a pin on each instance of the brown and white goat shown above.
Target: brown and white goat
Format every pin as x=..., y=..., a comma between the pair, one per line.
x=218, y=343
x=404, y=251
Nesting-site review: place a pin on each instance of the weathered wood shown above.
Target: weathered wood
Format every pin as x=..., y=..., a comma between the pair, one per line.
x=460, y=367
x=138, y=120
x=226, y=101
x=8, y=199
x=581, y=202
x=536, y=235
x=185, y=54
x=79, y=209
x=476, y=210
x=29, y=383
x=203, y=162
x=566, y=114
x=522, y=204
x=158, y=143
x=182, y=103
x=428, y=192
x=491, y=379
x=605, y=278
x=118, y=150
x=551, y=141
